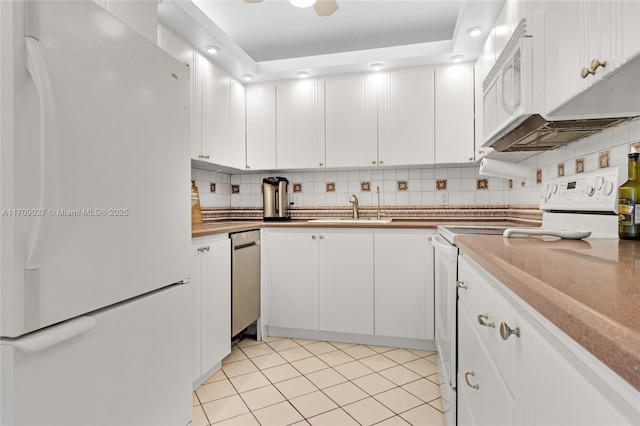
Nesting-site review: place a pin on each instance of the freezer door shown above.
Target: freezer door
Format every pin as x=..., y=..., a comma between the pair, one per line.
x=133, y=367
x=102, y=158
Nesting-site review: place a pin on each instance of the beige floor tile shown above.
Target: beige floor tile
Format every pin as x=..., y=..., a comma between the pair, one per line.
x=268, y=361
x=301, y=423
x=295, y=354
x=304, y=342
x=394, y=421
x=312, y=404
x=270, y=339
x=334, y=358
x=325, y=378
x=217, y=376
x=247, y=342
x=278, y=415
x=435, y=378
x=238, y=368
x=318, y=348
x=337, y=417
x=353, y=370
x=283, y=344
x=437, y=404
x=345, y=393
x=257, y=350
x=247, y=382
x=398, y=400
x=422, y=367
x=309, y=365
x=342, y=345
x=196, y=401
x=234, y=356
x=381, y=349
x=400, y=375
x=423, y=389
x=296, y=387
x=368, y=411
x=280, y=373
x=216, y=390
x=262, y=397
x=198, y=417
x=378, y=362
x=421, y=353
x=373, y=384
x=225, y=408
x=242, y=420
x=359, y=351
x=424, y=415
x=433, y=358
x=400, y=355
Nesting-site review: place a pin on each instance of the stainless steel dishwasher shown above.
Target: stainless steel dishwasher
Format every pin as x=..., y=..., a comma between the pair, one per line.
x=245, y=280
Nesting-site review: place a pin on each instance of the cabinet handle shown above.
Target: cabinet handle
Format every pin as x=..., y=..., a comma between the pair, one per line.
x=313, y=237
x=248, y=166
x=203, y=249
x=466, y=379
x=481, y=152
x=320, y=164
x=321, y=237
x=429, y=238
x=595, y=64
x=584, y=73
x=471, y=158
x=461, y=284
x=373, y=161
x=506, y=331
x=482, y=320
x=380, y=162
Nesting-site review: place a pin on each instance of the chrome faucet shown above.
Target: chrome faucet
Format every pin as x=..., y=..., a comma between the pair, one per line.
x=354, y=200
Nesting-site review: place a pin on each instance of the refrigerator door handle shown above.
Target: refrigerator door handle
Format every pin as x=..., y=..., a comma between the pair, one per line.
x=51, y=336
x=37, y=68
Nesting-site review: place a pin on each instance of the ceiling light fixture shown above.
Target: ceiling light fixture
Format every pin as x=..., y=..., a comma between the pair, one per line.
x=376, y=67
x=474, y=31
x=302, y=74
x=456, y=58
x=212, y=50
x=302, y=3
x=247, y=77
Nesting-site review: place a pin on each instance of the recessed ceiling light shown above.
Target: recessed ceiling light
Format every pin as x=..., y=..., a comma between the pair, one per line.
x=474, y=31
x=247, y=77
x=302, y=3
x=302, y=74
x=212, y=50
x=456, y=58
x=376, y=67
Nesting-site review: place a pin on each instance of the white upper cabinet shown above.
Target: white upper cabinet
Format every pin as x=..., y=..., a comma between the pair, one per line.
x=454, y=114
x=351, y=121
x=405, y=116
x=261, y=126
x=586, y=44
x=300, y=124
x=233, y=153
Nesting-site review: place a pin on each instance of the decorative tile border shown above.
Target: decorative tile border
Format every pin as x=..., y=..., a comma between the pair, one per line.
x=331, y=187
x=539, y=176
x=235, y=189
x=580, y=165
x=634, y=147
x=560, y=169
x=403, y=185
x=212, y=187
x=482, y=183
x=297, y=187
x=441, y=184
x=365, y=186
x=604, y=159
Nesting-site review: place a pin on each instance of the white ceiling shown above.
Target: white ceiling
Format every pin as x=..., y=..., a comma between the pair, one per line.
x=274, y=39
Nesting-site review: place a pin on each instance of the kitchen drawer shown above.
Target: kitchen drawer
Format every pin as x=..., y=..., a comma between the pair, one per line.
x=483, y=396
x=489, y=308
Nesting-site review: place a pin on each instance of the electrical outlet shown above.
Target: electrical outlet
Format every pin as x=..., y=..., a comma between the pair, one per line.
x=444, y=197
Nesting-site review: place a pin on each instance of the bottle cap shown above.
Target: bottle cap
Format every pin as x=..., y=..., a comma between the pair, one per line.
x=634, y=155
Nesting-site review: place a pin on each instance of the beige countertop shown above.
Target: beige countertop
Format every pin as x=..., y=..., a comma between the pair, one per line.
x=590, y=289
x=225, y=226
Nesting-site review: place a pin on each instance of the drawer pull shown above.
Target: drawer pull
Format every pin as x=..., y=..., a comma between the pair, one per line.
x=482, y=320
x=506, y=331
x=466, y=379
x=461, y=284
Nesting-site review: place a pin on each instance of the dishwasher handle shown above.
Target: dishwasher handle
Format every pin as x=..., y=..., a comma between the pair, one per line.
x=246, y=245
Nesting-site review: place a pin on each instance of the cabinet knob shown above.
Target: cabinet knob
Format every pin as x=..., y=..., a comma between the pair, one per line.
x=482, y=320
x=466, y=379
x=321, y=237
x=461, y=284
x=595, y=64
x=313, y=237
x=584, y=73
x=373, y=161
x=380, y=162
x=481, y=151
x=506, y=331
x=320, y=164
x=248, y=166
x=429, y=238
x=471, y=158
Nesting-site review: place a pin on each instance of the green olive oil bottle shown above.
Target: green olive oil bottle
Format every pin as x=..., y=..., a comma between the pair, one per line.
x=629, y=202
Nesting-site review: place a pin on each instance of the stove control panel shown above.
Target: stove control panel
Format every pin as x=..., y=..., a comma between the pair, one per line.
x=584, y=192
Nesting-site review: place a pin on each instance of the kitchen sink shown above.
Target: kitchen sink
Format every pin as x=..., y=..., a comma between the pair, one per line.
x=350, y=220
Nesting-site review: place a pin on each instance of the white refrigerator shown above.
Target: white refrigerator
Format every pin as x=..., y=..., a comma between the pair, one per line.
x=95, y=305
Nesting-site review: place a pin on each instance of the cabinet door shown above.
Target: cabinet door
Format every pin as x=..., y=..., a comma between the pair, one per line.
x=351, y=117
x=211, y=283
x=404, y=300
x=454, y=120
x=346, y=282
x=261, y=126
x=200, y=76
x=215, y=114
x=234, y=152
x=292, y=280
x=406, y=117
x=300, y=124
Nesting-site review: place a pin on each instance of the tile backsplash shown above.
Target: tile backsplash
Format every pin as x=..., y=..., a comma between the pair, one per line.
x=429, y=185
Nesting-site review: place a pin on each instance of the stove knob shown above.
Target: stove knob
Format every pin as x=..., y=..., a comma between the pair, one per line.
x=607, y=188
x=554, y=188
x=598, y=182
x=590, y=190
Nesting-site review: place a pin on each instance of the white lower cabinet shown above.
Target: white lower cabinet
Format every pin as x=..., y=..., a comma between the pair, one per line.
x=211, y=283
x=404, y=293
x=515, y=367
x=358, y=281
